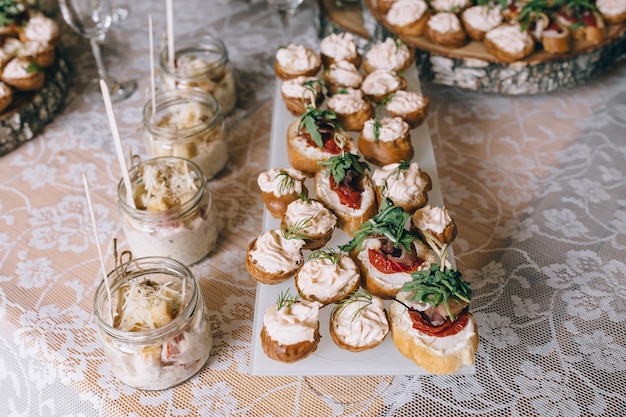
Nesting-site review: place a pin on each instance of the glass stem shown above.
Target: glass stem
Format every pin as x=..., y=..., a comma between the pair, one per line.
x=97, y=54
x=286, y=16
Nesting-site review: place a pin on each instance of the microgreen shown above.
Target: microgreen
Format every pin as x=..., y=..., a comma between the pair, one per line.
x=340, y=164
x=10, y=12
x=285, y=299
x=389, y=223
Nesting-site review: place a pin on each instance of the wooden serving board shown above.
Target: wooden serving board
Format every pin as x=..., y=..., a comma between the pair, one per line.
x=29, y=113
x=472, y=67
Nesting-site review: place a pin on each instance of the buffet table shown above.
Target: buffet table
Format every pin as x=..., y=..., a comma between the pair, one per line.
x=536, y=185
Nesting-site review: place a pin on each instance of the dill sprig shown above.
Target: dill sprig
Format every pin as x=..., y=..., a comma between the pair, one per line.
x=360, y=296
x=285, y=299
x=389, y=223
x=294, y=230
x=286, y=182
x=310, y=119
x=327, y=253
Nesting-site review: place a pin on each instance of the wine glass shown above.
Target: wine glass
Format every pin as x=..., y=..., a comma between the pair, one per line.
x=286, y=10
x=91, y=19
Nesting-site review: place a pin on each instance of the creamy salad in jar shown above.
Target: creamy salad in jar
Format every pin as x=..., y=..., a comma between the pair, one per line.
x=172, y=211
x=154, y=328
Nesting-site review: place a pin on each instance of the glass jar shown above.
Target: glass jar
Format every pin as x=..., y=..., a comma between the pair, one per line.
x=187, y=123
x=158, y=357
x=186, y=231
x=202, y=63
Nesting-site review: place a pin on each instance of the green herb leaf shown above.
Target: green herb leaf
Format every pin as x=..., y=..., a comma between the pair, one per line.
x=359, y=296
x=326, y=253
x=294, y=230
x=285, y=299
x=340, y=164
x=310, y=119
x=389, y=222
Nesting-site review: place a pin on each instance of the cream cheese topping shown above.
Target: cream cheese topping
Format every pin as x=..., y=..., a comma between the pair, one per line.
x=322, y=278
x=405, y=102
x=348, y=102
x=297, y=88
x=405, y=12
x=509, y=37
x=390, y=129
x=611, y=7
x=297, y=58
x=292, y=324
x=5, y=90
x=360, y=323
x=17, y=68
x=402, y=185
x=339, y=46
x=283, y=181
x=11, y=45
x=321, y=220
x=483, y=18
x=380, y=82
x=432, y=218
x=345, y=73
x=5, y=57
x=388, y=55
x=460, y=342
x=276, y=254
x=41, y=29
x=449, y=5
x=444, y=22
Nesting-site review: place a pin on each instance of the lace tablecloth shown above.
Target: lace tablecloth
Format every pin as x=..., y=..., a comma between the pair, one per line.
x=536, y=184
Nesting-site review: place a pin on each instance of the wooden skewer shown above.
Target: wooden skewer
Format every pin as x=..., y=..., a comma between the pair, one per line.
x=152, y=81
x=95, y=231
x=118, y=143
x=169, y=10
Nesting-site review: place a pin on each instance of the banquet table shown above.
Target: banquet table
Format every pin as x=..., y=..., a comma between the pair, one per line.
x=536, y=185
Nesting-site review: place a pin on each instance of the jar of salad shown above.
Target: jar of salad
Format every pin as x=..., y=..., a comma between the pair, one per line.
x=186, y=123
x=202, y=63
x=172, y=212
x=153, y=326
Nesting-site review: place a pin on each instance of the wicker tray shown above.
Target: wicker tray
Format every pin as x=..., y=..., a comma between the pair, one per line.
x=29, y=113
x=472, y=67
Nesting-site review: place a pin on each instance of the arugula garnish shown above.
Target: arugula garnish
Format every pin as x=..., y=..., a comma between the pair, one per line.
x=310, y=119
x=360, y=296
x=285, y=299
x=434, y=286
x=389, y=223
x=340, y=164
x=11, y=12
x=531, y=11
x=327, y=253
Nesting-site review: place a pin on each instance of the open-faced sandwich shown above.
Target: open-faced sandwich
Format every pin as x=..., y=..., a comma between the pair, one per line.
x=410, y=106
x=433, y=222
x=612, y=11
x=342, y=74
x=583, y=19
x=314, y=138
x=404, y=183
x=445, y=29
x=378, y=84
x=391, y=54
x=430, y=321
x=359, y=322
x=327, y=276
x=509, y=42
x=279, y=187
x=296, y=60
x=300, y=93
x=480, y=19
x=344, y=186
x=339, y=47
x=386, y=252
x=386, y=141
x=351, y=107
x=290, y=328
x=316, y=222
x=408, y=17
x=275, y=255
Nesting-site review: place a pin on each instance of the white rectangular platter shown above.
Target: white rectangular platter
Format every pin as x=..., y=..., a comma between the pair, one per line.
x=328, y=359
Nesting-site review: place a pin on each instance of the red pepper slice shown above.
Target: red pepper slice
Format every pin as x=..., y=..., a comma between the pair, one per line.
x=348, y=196
x=388, y=266
x=448, y=328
